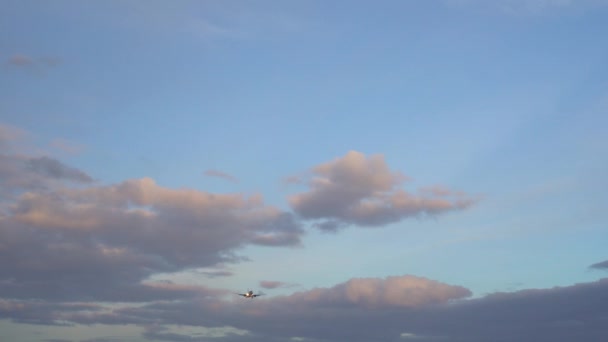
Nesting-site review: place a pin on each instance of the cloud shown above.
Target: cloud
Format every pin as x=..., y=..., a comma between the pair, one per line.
x=20, y=61
x=28, y=62
x=397, y=291
x=65, y=238
x=388, y=309
x=220, y=174
x=107, y=239
x=22, y=173
x=216, y=274
x=9, y=135
x=530, y=7
x=600, y=265
x=361, y=190
x=36, y=312
x=292, y=180
x=52, y=168
x=66, y=146
x=273, y=284
x=362, y=309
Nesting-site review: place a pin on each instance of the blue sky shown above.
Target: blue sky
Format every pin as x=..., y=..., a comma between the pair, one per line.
x=172, y=152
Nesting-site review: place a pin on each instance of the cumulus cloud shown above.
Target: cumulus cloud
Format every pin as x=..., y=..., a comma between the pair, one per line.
x=398, y=291
x=600, y=265
x=220, y=174
x=361, y=190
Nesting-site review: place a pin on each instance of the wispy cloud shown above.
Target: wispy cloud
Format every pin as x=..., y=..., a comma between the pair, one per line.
x=361, y=190
x=220, y=174
x=27, y=62
x=600, y=265
x=54, y=169
x=10, y=134
x=216, y=274
x=273, y=284
x=530, y=7
x=66, y=146
x=20, y=61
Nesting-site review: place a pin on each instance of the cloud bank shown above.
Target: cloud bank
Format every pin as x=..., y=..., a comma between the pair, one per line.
x=75, y=251
x=372, y=309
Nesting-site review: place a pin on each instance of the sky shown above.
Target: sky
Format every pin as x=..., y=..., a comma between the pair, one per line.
x=378, y=170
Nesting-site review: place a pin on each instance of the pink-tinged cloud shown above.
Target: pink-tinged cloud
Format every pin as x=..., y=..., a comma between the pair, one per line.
x=21, y=61
x=24, y=61
x=220, y=174
x=63, y=237
x=396, y=291
x=361, y=190
x=101, y=242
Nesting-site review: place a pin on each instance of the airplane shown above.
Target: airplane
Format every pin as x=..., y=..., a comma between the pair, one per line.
x=249, y=294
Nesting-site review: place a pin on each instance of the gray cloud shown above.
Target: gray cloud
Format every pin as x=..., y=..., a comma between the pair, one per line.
x=21, y=173
x=36, y=312
x=220, y=174
x=360, y=190
x=600, y=265
x=52, y=168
